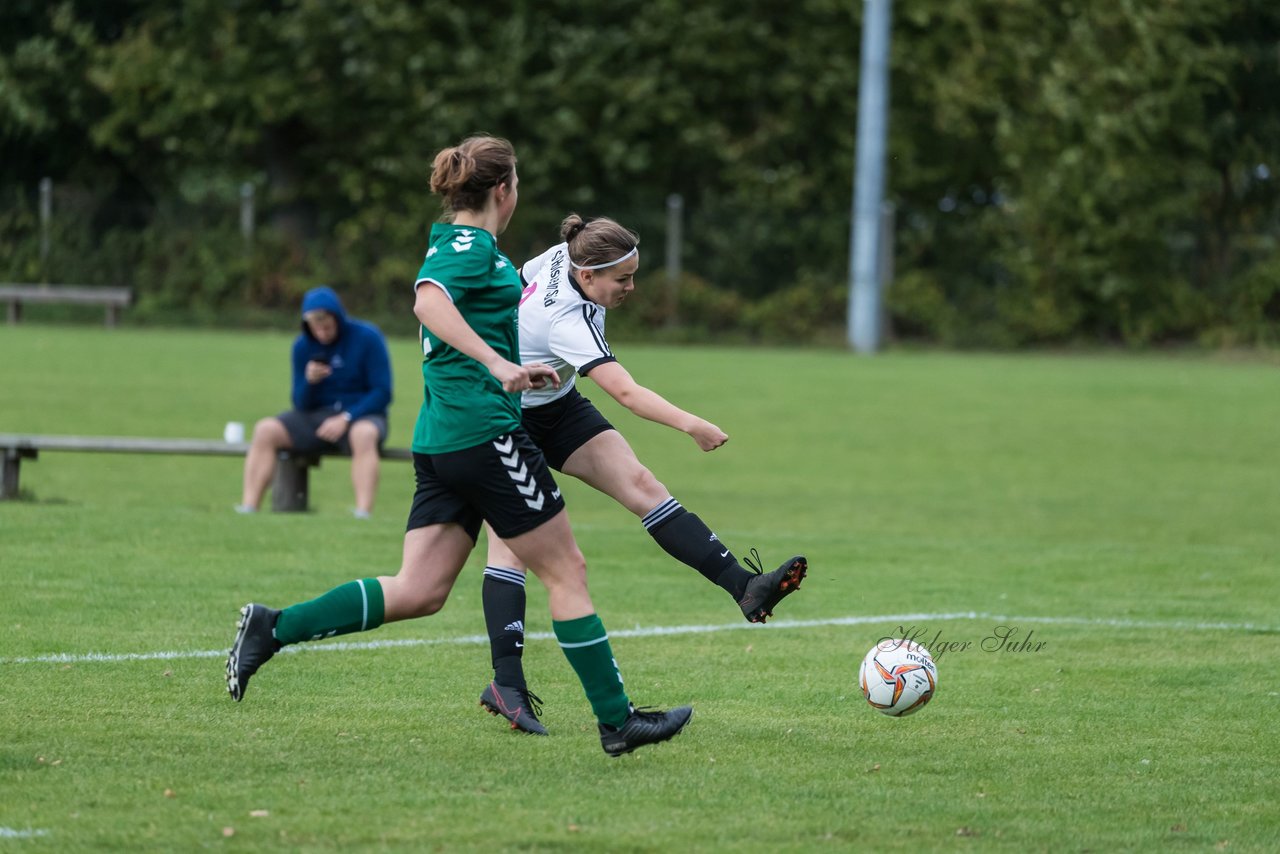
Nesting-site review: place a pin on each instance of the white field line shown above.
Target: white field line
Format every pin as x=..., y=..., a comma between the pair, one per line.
x=662, y=631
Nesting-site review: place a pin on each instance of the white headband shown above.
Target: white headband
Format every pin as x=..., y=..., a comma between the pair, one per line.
x=633, y=251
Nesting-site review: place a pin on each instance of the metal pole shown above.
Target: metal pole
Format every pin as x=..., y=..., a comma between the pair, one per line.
x=46, y=222
x=246, y=214
x=675, y=239
x=869, y=178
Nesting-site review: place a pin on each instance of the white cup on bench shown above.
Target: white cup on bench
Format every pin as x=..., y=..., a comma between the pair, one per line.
x=233, y=432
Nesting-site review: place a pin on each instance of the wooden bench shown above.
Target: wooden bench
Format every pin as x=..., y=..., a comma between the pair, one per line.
x=113, y=299
x=289, y=491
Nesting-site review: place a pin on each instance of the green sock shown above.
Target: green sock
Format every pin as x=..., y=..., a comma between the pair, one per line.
x=586, y=644
x=356, y=606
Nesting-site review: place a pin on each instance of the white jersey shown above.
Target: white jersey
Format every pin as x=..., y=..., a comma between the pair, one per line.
x=559, y=326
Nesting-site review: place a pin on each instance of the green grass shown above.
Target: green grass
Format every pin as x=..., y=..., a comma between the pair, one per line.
x=1121, y=508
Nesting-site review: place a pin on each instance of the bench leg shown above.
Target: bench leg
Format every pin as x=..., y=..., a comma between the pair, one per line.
x=113, y=316
x=15, y=312
x=9, y=486
x=290, y=487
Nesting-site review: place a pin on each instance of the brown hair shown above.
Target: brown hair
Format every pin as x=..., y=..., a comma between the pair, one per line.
x=597, y=241
x=463, y=175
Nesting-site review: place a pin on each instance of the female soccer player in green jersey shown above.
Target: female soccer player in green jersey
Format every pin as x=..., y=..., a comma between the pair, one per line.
x=473, y=462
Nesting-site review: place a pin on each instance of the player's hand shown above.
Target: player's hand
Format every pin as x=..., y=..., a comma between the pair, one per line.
x=333, y=428
x=540, y=375
x=317, y=371
x=707, y=435
x=523, y=377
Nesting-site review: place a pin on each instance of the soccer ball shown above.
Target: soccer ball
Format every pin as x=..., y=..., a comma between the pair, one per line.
x=898, y=677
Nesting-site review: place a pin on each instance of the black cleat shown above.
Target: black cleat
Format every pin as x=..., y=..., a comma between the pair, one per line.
x=255, y=644
x=767, y=589
x=643, y=726
x=518, y=705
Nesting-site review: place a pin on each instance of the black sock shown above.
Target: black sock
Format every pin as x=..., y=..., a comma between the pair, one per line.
x=687, y=539
x=503, y=597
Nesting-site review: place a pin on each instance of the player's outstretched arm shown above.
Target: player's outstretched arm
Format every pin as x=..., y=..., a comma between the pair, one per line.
x=648, y=404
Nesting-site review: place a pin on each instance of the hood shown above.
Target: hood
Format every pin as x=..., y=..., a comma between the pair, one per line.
x=323, y=298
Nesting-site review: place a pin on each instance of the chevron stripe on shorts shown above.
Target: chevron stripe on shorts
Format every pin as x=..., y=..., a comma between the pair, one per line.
x=519, y=472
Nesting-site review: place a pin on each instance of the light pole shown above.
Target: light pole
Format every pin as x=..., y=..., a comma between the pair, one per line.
x=865, y=241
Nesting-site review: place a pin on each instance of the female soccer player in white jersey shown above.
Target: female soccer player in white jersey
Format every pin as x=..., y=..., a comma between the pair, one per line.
x=567, y=291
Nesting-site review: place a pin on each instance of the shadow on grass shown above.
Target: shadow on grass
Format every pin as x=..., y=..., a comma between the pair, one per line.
x=26, y=496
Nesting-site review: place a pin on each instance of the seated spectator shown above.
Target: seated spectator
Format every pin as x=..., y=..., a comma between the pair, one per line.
x=341, y=390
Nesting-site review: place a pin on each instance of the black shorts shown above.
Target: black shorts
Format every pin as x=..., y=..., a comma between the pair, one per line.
x=505, y=482
x=303, y=424
x=563, y=426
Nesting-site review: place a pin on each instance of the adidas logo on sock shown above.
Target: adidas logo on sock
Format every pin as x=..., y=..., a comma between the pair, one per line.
x=517, y=626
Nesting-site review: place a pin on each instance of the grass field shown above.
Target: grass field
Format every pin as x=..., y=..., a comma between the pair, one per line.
x=1121, y=512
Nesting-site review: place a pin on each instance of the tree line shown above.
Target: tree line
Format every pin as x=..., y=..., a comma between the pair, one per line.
x=1088, y=170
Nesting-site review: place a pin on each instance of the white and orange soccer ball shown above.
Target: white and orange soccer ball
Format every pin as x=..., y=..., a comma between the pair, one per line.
x=898, y=677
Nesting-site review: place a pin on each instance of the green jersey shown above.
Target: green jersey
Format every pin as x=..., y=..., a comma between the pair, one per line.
x=463, y=404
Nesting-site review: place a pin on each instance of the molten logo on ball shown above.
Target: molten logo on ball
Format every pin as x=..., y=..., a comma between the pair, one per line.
x=898, y=676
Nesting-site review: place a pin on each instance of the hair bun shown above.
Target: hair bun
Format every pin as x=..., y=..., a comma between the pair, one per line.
x=571, y=227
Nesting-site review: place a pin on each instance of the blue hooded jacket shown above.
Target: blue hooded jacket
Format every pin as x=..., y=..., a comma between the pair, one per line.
x=361, y=380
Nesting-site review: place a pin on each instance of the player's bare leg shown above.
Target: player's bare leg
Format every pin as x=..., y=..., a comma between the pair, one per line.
x=432, y=558
x=608, y=463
